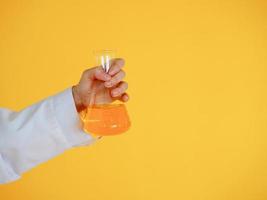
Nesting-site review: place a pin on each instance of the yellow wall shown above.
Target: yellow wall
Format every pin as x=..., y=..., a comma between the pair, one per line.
x=197, y=77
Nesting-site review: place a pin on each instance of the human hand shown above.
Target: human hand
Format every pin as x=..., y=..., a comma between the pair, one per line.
x=98, y=87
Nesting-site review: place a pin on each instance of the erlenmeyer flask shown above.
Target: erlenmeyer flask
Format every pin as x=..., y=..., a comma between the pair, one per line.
x=103, y=118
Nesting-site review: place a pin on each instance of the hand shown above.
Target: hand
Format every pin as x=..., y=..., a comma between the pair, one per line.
x=98, y=87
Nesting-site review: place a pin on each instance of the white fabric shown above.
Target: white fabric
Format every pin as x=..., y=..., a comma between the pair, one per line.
x=38, y=133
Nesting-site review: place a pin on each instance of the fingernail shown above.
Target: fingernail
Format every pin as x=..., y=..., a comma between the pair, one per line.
x=115, y=93
x=111, y=72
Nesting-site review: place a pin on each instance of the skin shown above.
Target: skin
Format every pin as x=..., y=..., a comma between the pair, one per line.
x=98, y=87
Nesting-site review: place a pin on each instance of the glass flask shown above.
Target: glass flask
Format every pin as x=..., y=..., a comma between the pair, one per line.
x=104, y=117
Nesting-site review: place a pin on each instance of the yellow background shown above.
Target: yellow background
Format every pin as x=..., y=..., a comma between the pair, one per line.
x=197, y=81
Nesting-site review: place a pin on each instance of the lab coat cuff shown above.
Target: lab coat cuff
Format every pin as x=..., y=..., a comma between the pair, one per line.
x=68, y=119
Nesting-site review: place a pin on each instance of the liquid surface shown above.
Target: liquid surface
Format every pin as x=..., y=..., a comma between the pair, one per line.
x=105, y=119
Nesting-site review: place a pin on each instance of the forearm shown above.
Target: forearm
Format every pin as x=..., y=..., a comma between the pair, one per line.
x=38, y=133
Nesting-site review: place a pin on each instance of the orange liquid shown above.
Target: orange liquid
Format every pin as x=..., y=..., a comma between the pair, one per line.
x=104, y=120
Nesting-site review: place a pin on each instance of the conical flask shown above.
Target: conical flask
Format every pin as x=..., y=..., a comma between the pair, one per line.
x=105, y=116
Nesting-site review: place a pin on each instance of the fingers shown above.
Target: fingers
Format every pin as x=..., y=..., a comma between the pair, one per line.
x=96, y=73
x=120, y=89
x=116, y=66
x=115, y=79
x=124, y=97
x=100, y=74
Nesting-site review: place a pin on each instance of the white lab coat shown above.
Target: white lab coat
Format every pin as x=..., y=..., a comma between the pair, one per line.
x=38, y=133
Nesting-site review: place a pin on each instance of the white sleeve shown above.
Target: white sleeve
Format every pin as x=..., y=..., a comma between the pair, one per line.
x=38, y=133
